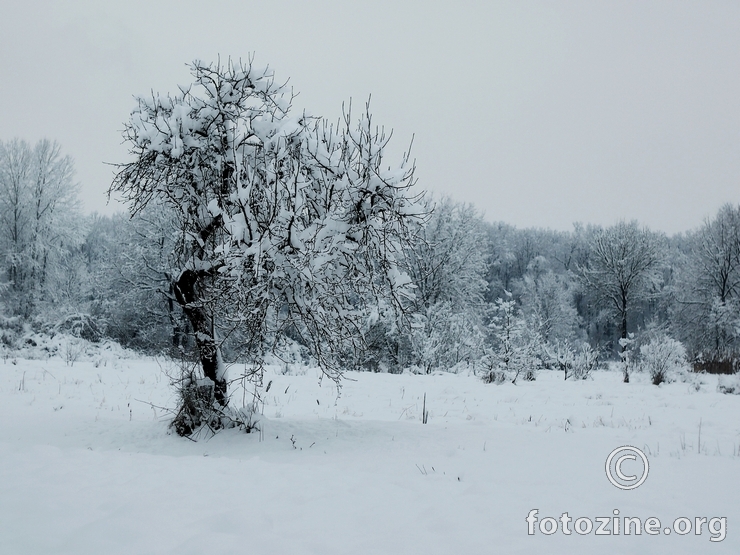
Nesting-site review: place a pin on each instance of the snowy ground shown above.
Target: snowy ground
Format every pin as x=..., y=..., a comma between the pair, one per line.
x=87, y=466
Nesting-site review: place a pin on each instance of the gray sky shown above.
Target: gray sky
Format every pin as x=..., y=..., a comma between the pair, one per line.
x=539, y=113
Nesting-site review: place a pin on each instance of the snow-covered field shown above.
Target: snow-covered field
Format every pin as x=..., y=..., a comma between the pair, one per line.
x=87, y=464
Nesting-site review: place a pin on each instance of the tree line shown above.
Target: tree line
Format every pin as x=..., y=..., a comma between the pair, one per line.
x=593, y=285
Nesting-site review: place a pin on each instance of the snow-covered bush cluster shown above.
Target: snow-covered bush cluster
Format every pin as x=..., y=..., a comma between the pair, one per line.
x=663, y=359
x=729, y=385
x=575, y=363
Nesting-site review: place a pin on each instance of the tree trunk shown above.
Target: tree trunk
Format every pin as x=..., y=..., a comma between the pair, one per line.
x=179, y=328
x=186, y=292
x=624, y=318
x=624, y=325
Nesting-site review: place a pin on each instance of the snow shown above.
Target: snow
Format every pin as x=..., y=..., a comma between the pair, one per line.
x=88, y=465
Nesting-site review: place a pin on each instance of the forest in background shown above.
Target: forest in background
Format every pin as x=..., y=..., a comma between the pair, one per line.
x=486, y=295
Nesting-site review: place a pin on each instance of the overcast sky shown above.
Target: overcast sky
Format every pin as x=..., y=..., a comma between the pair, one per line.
x=539, y=113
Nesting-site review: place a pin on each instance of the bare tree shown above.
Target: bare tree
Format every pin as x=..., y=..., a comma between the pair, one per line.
x=15, y=169
x=623, y=268
x=38, y=216
x=54, y=211
x=717, y=254
x=707, y=314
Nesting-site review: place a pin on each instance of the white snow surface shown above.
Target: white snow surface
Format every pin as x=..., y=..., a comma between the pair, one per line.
x=87, y=465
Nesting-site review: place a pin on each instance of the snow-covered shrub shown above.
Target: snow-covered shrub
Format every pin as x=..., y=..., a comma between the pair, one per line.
x=72, y=349
x=585, y=362
x=198, y=410
x=380, y=344
x=729, y=385
x=495, y=376
x=531, y=355
x=43, y=346
x=81, y=325
x=196, y=406
x=444, y=337
x=572, y=363
x=663, y=357
x=11, y=330
x=561, y=356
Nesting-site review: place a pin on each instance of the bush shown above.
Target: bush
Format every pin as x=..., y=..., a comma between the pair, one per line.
x=196, y=406
x=495, y=376
x=81, y=325
x=11, y=330
x=585, y=362
x=577, y=365
x=444, y=336
x=198, y=409
x=561, y=356
x=729, y=386
x=662, y=358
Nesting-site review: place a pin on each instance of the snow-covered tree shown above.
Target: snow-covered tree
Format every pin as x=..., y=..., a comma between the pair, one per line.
x=548, y=305
x=286, y=222
x=623, y=269
x=130, y=265
x=447, y=264
x=39, y=221
x=15, y=207
x=717, y=252
x=707, y=310
x=517, y=348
